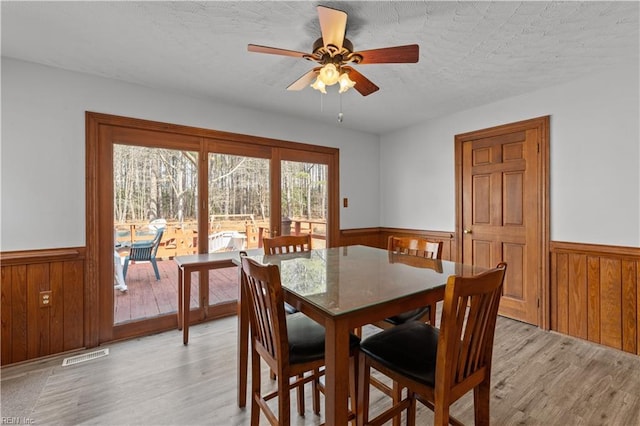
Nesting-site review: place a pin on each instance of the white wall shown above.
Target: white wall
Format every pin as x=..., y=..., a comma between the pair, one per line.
x=43, y=148
x=594, y=156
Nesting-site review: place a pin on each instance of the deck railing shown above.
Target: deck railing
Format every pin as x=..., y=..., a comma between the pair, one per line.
x=181, y=238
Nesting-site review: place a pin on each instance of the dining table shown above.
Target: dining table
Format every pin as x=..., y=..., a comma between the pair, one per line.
x=344, y=288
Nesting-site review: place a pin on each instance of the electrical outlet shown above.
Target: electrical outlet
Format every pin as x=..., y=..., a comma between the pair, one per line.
x=45, y=299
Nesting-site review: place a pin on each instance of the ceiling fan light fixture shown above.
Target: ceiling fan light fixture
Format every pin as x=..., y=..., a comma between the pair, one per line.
x=329, y=75
x=319, y=85
x=345, y=82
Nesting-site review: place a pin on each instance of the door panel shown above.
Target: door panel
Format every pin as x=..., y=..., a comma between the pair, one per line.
x=239, y=201
x=151, y=188
x=304, y=200
x=482, y=253
x=306, y=196
x=513, y=254
x=500, y=211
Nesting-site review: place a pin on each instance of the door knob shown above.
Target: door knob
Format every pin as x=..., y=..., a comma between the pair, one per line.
x=467, y=231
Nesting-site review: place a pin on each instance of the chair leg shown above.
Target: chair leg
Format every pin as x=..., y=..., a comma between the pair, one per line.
x=255, y=388
x=440, y=412
x=362, y=404
x=315, y=389
x=396, y=396
x=353, y=382
x=411, y=410
x=125, y=267
x=300, y=393
x=155, y=268
x=284, y=400
x=481, y=396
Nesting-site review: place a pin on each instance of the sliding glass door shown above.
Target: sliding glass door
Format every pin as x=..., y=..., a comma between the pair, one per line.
x=155, y=219
x=239, y=205
x=156, y=191
x=304, y=200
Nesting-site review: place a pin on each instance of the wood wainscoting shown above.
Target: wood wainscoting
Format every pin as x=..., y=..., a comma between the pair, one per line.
x=378, y=237
x=31, y=328
x=595, y=293
x=360, y=236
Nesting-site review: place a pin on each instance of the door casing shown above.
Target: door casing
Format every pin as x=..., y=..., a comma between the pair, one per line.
x=541, y=191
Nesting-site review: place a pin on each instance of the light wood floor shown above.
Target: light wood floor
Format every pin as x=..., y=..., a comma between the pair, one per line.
x=540, y=378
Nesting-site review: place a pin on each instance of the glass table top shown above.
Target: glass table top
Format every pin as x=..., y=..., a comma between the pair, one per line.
x=343, y=279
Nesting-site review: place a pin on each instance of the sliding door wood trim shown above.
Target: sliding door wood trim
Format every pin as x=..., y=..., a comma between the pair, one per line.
x=101, y=132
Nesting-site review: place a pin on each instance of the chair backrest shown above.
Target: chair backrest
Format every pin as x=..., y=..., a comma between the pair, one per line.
x=287, y=244
x=415, y=246
x=146, y=250
x=467, y=328
x=156, y=242
x=416, y=261
x=263, y=289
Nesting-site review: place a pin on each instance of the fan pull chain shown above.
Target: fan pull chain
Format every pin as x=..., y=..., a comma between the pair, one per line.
x=340, y=114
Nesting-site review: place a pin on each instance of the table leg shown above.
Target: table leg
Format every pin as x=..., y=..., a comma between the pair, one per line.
x=336, y=373
x=243, y=346
x=186, y=305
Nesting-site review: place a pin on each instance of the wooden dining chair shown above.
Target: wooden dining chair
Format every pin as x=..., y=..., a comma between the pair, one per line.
x=287, y=244
x=419, y=247
x=291, y=345
x=419, y=253
x=438, y=366
x=404, y=250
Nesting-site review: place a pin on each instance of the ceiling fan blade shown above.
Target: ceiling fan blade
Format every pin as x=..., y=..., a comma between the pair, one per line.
x=333, y=24
x=391, y=55
x=275, y=51
x=363, y=85
x=304, y=81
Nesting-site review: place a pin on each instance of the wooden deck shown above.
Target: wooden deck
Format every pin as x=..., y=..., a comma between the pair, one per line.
x=147, y=297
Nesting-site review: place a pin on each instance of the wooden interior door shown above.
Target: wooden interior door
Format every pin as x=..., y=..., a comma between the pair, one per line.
x=501, y=212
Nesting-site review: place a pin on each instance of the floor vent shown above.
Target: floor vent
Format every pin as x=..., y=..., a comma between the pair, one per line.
x=84, y=357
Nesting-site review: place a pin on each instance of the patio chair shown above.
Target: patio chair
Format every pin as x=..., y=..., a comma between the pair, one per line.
x=145, y=251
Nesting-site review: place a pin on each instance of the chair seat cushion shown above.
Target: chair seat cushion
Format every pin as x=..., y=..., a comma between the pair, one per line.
x=410, y=349
x=408, y=316
x=306, y=339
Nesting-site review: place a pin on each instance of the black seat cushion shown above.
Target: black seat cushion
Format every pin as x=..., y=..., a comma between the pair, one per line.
x=408, y=316
x=306, y=339
x=409, y=349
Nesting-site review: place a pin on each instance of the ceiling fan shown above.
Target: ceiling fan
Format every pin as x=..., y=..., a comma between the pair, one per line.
x=333, y=52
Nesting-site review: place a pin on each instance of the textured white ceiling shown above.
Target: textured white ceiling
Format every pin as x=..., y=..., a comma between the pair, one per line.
x=471, y=53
